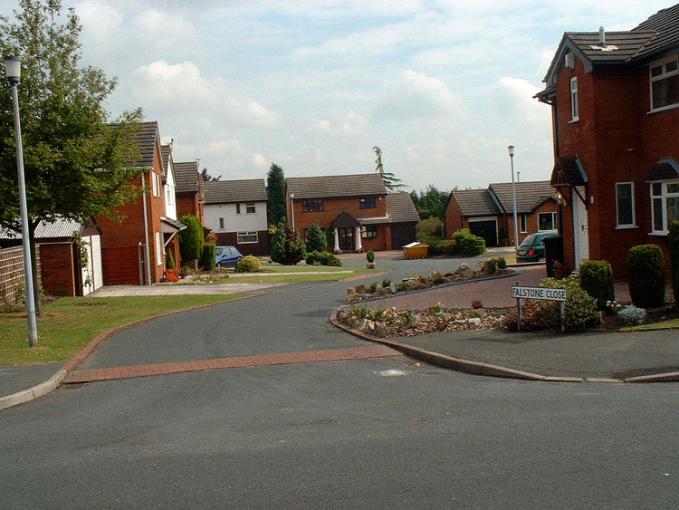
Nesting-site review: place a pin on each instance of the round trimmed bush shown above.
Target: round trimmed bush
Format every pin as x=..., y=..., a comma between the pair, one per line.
x=646, y=274
x=596, y=278
x=248, y=264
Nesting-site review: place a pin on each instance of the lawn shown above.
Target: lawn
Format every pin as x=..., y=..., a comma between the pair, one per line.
x=668, y=324
x=68, y=324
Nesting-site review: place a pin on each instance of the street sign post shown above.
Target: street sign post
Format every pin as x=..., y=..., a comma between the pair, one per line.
x=540, y=294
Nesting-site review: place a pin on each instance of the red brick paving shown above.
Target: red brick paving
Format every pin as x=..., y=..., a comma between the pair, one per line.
x=285, y=358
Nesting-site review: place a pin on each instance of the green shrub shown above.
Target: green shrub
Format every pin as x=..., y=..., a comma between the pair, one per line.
x=278, y=244
x=373, y=287
x=447, y=247
x=673, y=241
x=468, y=244
x=501, y=263
x=646, y=274
x=324, y=258
x=191, y=238
x=248, y=264
x=208, y=259
x=402, y=287
x=489, y=266
x=596, y=278
x=316, y=239
x=580, y=309
x=370, y=256
x=287, y=247
x=386, y=283
x=169, y=262
x=429, y=231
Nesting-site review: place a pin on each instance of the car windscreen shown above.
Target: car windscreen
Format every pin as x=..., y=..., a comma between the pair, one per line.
x=528, y=241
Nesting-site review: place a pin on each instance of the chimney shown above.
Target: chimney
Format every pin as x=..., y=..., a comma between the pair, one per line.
x=602, y=36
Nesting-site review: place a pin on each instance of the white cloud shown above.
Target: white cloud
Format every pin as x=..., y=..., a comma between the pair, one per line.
x=181, y=88
x=350, y=124
x=260, y=160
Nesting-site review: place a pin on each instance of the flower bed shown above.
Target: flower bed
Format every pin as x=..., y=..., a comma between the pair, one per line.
x=486, y=269
x=390, y=322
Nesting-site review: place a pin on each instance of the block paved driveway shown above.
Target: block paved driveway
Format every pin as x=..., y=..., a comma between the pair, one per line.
x=376, y=431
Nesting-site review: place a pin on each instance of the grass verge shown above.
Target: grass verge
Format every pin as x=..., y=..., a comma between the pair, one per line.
x=668, y=324
x=68, y=324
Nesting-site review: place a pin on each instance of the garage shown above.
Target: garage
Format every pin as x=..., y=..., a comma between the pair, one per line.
x=402, y=234
x=486, y=228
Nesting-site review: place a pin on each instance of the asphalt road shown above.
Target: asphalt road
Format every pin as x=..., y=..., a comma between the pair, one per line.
x=378, y=433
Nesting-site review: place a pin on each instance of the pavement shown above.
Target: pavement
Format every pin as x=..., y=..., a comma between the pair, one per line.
x=344, y=431
x=175, y=290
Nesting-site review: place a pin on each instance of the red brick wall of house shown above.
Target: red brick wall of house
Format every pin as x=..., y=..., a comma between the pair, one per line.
x=531, y=221
x=190, y=203
x=119, y=240
x=617, y=141
x=58, y=269
x=231, y=239
x=454, y=220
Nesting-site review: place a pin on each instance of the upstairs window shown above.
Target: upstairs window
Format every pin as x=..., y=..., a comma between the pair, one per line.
x=575, y=107
x=250, y=208
x=368, y=202
x=312, y=205
x=237, y=208
x=221, y=223
x=665, y=83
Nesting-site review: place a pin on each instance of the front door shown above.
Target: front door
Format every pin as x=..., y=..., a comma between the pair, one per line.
x=346, y=239
x=581, y=227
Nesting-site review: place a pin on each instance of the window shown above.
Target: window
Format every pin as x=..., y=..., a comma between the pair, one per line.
x=575, y=108
x=312, y=205
x=547, y=221
x=368, y=202
x=221, y=223
x=523, y=222
x=624, y=204
x=248, y=237
x=369, y=232
x=237, y=208
x=664, y=77
x=664, y=205
x=250, y=208
x=154, y=184
x=159, y=248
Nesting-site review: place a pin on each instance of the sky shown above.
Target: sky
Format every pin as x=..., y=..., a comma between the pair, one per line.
x=441, y=86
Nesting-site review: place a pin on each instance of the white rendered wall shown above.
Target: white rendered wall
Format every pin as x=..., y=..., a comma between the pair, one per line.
x=94, y=269
x=171, y=204
x=233, y=222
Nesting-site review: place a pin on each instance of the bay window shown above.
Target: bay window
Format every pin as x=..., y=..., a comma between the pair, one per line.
x=664, y=205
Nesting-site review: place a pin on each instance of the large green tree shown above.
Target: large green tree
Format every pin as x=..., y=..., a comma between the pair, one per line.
x=431, y=202
x=391, y=182
x=275, y=183
x=77, y=167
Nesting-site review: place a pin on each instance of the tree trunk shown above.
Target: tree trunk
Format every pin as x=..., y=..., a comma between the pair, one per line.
x=36, y=282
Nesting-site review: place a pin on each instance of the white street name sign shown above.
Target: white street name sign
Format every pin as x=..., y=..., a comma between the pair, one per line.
x=540, y=293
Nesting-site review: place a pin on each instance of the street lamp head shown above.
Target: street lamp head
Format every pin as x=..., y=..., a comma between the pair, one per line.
x=510, y=149
x=13, y=69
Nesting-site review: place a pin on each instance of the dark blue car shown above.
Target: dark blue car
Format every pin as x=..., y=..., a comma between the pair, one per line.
x=228, y=256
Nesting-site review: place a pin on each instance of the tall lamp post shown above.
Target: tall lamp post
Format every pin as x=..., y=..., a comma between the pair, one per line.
x=510, y=149
x=13, y=73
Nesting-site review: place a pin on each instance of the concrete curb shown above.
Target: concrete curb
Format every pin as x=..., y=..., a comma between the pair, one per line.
x=435, y=287
x=51, y=384
x=488, y=369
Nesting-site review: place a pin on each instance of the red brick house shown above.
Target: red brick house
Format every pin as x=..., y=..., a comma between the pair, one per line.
x=615, y=109
x=133, y=250
x=489, y=213
x=189, y=190
x=236, y=212
x=356, y=210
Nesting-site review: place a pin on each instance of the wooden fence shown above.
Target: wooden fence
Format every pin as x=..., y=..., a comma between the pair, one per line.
x=12, y=284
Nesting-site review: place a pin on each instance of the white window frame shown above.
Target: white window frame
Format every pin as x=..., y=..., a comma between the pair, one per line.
x=239, y=234
x=248, y=205
x=554, y=225
x=617, y=206
x=154, y=184
x=523, y=223
x=662, y=76
x=575, y=105
x=159, y=248
x=664, y=195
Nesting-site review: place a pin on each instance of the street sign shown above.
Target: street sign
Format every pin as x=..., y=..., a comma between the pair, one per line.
x=540, y=293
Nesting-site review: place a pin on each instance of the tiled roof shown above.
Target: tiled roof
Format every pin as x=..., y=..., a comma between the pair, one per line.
x=330, y=186
x=529, y=194
x=147, y=136
x=666, y=24
x=224, y=192
x=400, y=208
x=165, y=151
x=627, y=44
x=569, y=171
x=476, y=202
x=187, y=176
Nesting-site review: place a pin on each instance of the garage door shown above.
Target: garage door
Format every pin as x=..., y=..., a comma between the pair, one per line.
x=486, y=229
x=402, y=234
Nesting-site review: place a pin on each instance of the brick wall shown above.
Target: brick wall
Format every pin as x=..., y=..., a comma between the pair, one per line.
x=454, y=220
x=332, y=207
x=12, y=283
x=231, y=239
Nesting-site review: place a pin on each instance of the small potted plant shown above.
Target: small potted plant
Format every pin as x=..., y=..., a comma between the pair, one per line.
x=370, y=255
